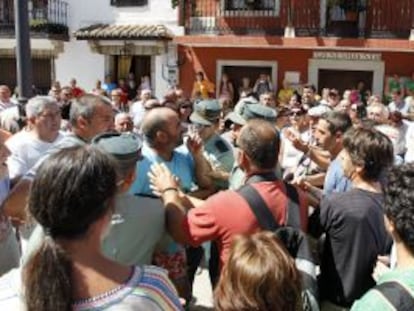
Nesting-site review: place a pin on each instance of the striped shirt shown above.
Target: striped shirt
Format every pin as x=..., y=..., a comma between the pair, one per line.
x=148, y=288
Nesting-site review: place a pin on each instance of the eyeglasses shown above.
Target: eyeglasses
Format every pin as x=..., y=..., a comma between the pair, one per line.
x=186, y=107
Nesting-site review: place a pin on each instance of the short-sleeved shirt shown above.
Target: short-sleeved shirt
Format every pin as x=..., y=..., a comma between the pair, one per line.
x=148, y=288
x=26, y=150
x=136, y=229
x=355, y=236
x=227, y=214
x=335, y=180
x=181, y=165
x=68, y=141
x=373, y=300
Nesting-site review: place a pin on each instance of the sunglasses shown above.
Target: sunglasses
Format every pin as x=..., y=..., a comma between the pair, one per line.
x=297, y=114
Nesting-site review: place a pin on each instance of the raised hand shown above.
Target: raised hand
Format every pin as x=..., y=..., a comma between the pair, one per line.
x=162, y=180
x=194, y=142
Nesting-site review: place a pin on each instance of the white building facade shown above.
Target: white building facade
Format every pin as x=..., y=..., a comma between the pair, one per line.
x=119, y=37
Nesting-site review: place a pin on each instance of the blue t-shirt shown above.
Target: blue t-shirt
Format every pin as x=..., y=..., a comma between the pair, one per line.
x=181, y=165
x=335, y=180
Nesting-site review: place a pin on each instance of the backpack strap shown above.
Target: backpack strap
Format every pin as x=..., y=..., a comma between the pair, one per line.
x=259, y=208
x=293, y=207
x=397, y=295
x=264, y=215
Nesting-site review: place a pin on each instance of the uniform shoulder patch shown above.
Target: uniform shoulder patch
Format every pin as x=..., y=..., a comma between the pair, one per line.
x=221, y=146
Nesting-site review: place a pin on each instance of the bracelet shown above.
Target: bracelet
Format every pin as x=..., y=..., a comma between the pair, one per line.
x=169, y=189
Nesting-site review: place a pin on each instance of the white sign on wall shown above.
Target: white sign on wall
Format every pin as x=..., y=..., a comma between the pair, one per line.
x=357, y=56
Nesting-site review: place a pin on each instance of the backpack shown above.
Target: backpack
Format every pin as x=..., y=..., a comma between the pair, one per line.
x=292, y=237
x=397, y=295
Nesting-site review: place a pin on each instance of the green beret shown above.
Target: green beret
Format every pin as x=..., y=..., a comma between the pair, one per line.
x=123, y=146
x=206, y=112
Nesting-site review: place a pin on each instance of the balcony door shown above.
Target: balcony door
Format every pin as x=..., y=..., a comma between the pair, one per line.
x=342, y=17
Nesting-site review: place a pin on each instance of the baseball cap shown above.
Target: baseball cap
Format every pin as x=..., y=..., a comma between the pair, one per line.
x=123, y=146
x=206, y=112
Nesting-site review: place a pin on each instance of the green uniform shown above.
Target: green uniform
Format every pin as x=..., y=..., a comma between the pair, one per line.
x=220, y=155
x=373, y=300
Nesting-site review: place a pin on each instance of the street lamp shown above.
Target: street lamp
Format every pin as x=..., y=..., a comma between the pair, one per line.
x=23, y=54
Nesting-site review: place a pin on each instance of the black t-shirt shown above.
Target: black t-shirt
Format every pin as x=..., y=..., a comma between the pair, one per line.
x=355, y=236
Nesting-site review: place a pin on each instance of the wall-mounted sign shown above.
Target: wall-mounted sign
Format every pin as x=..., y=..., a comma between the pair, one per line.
x=347, y=55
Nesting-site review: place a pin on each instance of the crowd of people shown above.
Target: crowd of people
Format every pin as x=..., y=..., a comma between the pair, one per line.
x=113, y=201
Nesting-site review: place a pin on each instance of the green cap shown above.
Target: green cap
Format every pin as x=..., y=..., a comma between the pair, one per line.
x=206, y=112
x=252, y=111
x=123, y=146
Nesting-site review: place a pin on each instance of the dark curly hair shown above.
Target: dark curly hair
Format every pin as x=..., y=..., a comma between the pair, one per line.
x=399, y=202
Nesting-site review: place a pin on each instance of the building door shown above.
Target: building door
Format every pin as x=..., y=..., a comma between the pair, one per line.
x=237, y=73
x=343, y=79
x=138, y=65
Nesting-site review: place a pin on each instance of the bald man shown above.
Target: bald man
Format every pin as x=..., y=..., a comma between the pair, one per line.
x=162, y=133
x=227, y=214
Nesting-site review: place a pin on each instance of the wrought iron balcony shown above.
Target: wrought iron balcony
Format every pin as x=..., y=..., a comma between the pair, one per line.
x=47, y=18
x=347, y=18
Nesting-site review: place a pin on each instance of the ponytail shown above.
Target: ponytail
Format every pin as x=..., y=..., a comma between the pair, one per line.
x=47, y=279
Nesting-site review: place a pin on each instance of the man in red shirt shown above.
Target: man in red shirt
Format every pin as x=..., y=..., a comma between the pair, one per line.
x=226, y=214
x=76, y=91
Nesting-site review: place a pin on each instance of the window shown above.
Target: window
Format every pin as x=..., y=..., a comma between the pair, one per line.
x=121, y=3
x=255, y=5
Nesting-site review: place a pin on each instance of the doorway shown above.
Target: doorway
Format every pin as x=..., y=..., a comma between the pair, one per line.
x=344, y=79
x=238, y=69
x=138, y=65
x=237, y=73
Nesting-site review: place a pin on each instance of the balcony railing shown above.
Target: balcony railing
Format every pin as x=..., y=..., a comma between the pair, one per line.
x=369, y=18
x=46, y=17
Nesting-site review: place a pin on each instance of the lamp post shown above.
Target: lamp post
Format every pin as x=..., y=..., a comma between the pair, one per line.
x=23, y=55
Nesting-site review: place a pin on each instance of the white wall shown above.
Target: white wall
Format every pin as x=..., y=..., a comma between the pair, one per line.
x=83, y=13
x=79, y=62
x=161, y=85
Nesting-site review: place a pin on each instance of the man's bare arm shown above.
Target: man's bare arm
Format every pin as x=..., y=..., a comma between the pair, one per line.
x=176, y=211
x=14, y=205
